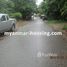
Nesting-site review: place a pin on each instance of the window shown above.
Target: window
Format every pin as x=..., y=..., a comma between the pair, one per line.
x=3, y=18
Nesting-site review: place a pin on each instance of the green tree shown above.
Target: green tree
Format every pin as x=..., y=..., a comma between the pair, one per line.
x=25, y=7
x=57, y=9
x=6, y=6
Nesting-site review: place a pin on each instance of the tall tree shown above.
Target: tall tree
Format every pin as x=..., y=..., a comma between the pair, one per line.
x=56, y=9
x=26, y=7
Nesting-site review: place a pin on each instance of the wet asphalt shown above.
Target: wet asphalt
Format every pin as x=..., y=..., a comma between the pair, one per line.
x=30, y=50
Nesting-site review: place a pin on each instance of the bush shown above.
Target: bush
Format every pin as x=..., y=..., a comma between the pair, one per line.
x=65, y=27
x=16, y=15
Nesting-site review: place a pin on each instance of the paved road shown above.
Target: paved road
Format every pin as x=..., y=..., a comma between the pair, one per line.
x=29, y=51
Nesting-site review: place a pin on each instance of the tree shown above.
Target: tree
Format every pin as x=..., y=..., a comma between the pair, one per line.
x=6, y=6
x=57, y=9
x=25, y=7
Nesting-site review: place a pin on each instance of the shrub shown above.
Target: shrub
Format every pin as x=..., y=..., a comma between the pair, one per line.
x=16, y=15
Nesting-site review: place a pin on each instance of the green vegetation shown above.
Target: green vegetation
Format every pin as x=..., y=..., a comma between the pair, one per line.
x=20, y=8
x=65, y=27
x=54, y=9
x=56, y=21
x=16, y=15
x=58, y=25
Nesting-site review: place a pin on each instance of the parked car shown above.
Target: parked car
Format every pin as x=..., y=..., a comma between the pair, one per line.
x=44, y=17
x=7, y=23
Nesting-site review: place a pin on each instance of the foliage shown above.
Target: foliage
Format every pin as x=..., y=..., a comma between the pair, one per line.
x=25, y=7
x=56, y=9
x=6, y=6
x=65, y=27
x=16, y=15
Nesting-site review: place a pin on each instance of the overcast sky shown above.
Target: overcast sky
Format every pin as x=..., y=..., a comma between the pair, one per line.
x=38, y=2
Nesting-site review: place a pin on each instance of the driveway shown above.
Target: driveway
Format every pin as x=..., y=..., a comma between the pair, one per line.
x=32, y=51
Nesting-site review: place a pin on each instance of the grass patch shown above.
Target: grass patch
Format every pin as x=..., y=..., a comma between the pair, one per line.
x=57, y=24
x=56, y=21
x=65, y=27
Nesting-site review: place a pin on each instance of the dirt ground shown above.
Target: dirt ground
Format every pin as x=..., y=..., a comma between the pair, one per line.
x=59, y=27
x=21, y=23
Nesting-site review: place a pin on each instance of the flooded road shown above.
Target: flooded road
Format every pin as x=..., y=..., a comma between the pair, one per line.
x=32, y=51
